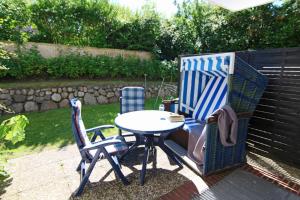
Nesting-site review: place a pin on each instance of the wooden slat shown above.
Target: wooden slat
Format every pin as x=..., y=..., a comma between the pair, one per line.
x=285, y=136
x=274, y=130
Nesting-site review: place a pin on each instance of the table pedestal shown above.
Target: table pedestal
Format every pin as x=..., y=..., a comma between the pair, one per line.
x=151, y=141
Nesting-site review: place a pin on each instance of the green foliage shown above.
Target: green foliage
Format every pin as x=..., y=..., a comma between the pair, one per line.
x=79, y=22
x=267, y=26
x=176, y=37
x=13, y=129
x=197, y=27
x=30, y=64
x=14, y=20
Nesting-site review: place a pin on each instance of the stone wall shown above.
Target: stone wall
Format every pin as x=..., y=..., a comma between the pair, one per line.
x=30, y=100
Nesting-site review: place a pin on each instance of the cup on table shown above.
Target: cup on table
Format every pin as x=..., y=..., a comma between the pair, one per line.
x=161, y=107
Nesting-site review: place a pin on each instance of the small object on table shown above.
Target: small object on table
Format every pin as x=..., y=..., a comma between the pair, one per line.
x=176, y=118
x=161, y=107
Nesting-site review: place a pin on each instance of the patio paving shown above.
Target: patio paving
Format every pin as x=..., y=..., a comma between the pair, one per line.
x=51, y=175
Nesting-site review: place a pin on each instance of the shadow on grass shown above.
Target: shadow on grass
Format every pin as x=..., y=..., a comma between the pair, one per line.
x=53, y=128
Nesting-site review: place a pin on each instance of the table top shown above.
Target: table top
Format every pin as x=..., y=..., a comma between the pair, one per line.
x=147, y=122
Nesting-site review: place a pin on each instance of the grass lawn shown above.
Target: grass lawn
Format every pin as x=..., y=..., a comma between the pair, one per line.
x=52, y=129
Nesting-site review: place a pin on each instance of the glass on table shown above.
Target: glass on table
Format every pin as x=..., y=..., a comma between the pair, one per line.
x=161, y=107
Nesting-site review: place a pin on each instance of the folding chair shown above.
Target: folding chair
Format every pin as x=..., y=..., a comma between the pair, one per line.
x=131, y=99
x=91, y=150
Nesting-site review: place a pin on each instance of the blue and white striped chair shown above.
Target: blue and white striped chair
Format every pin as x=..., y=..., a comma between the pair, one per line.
x=131, y=99
x=91, y=150
x=207, y=83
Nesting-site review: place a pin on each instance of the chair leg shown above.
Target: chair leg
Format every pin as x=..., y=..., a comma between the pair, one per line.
x=82, y=169
x=79, y=166
x=115, y=159
x=116, y=168
x=86, y=175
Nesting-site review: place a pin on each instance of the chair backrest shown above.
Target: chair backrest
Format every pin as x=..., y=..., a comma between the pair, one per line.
x=132, y=99
x=78, y=127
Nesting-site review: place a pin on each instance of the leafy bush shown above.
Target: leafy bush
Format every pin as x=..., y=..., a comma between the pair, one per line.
x=14, y=20
x=12, y=130
x=197, y=27
x=30, y=64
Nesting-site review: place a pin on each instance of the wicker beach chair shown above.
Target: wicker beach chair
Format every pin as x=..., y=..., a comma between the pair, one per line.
x=208, y=82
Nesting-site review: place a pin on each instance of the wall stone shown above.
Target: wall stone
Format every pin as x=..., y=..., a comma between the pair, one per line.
x=31, y=106
x=41, y=99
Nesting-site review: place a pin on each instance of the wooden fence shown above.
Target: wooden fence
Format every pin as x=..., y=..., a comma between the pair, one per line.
x=274, y=131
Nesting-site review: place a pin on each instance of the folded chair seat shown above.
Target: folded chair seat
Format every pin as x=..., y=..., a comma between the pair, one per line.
x=117, y=149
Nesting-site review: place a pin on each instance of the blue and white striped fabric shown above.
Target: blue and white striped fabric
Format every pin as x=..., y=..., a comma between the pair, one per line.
x=196, y=71
x=189, y=124
x=132, y=99
x=212, y=98
x=192, y=85
x=210, y=65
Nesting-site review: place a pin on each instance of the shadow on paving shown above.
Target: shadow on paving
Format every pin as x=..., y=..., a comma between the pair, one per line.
x=158, y=181
x=278, y=168
x=5, y=181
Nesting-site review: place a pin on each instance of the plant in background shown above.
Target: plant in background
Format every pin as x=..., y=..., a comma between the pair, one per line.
x=30, y=64
x=12, y=130
x=14, y=21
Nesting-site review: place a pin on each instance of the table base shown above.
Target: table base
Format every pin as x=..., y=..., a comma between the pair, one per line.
x=151, y=141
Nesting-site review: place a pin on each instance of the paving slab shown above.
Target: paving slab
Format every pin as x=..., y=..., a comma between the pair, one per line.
x=52, y=174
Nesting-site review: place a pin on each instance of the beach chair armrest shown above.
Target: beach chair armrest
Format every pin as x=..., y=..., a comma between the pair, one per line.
x=241, y=115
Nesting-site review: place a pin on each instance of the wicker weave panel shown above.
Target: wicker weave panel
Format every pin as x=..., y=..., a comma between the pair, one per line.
x=217, y=156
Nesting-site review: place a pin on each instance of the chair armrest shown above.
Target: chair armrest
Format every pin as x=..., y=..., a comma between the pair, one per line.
x=104, y=143
x=99, y=128
x=97, y=131
x=214, y=118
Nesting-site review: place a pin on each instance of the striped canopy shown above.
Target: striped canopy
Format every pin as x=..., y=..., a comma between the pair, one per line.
x=204, y=83
x=211, y=65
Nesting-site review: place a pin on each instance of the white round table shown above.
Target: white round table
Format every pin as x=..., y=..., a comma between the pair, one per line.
x=147, y=122
x=150, y=128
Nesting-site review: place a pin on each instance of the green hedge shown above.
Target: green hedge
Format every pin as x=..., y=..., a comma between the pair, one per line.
x=31, y=65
